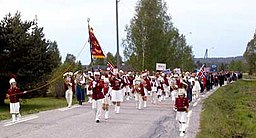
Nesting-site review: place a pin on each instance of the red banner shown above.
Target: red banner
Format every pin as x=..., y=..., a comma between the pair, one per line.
x=96, y=50
x=201, y=72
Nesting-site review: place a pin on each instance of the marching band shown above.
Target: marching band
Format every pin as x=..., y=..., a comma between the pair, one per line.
x=105, y=88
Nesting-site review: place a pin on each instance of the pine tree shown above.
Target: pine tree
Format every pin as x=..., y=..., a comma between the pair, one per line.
x=26, y=52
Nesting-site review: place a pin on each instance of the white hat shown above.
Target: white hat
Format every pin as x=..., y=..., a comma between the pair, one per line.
x=181, y=91
x=163, y=74
x=120, y=71
x=144, y=74
x=137, y=80
x=175, y=86
x=96, y=73
x=65, y=74
x=70, y=73
x=12, y=80
x=153, y=77
x=175, y=76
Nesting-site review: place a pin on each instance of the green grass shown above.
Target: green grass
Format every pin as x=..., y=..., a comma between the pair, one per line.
x=247, y=76
x=35, y=105
x=230, y=112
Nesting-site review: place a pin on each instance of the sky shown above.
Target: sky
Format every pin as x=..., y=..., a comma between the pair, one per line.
x=224, y=27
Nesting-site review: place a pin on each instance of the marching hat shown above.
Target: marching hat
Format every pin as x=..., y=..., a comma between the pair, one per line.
x=153, y=77
x=181, y=92
x=144, y=74
x=120, y=71
x=96, y=73
x=137, y=80
x=175, y=86
x=12, y=80
x=70, y=73
x=175, y=76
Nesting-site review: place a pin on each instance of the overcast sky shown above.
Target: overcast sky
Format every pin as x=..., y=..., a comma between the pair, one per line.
x=222, y=26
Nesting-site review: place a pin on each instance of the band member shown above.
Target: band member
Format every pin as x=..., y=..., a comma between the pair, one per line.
x=106, y=101
x=138, y=92
x=166, y=86
x=89, y=92
x=116, y=92
x=68, y=88
x=13, y=94
x=154, y=86
x=182, y=105
x=131, y=79
x=80, y=87
x=147, y=88
x=160, y=87
x=196, y=89
x=126, y=86
x=97, y=86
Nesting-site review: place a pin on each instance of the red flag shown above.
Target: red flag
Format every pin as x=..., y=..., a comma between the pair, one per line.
x=110, y=68
x=201, y=72
x=96, y=50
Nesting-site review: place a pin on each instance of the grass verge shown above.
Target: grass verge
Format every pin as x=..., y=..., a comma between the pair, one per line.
x=230, y=112
x=35, y=105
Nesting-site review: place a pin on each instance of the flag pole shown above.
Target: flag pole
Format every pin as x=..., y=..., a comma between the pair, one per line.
x=88, y=20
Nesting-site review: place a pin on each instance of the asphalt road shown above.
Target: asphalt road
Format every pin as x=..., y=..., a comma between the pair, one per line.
x=155, y=121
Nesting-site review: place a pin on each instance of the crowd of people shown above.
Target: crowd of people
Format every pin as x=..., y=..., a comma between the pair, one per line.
x=105, y=88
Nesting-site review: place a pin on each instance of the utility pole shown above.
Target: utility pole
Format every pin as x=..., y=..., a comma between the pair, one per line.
x=117, y=37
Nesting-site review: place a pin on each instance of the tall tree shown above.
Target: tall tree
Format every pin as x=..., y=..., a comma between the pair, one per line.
x=250, y=54
x=25, y=52
x=151, y=38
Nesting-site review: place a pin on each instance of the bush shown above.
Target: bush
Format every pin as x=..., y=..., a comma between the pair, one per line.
x=230, y=112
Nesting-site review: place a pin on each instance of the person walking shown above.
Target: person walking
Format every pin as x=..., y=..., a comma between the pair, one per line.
x=138, y=92
x=13, y=94
x=68, y=88
x=97, y=95
x=116, y=92
x=182, y=105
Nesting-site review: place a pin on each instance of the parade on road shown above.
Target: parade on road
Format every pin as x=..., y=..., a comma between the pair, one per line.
x=112, y=88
